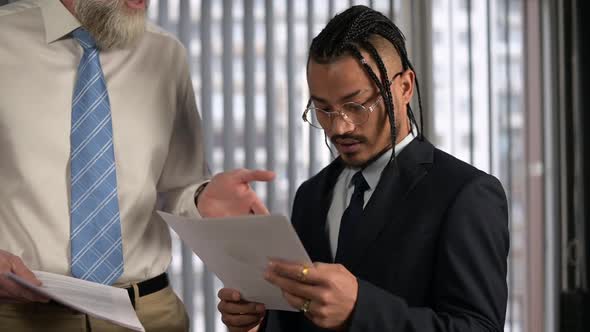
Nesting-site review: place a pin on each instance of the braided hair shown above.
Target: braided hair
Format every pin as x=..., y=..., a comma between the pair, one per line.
x=358, y=28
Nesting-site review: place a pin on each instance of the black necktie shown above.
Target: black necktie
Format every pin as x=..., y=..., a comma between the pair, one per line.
x=351, y=216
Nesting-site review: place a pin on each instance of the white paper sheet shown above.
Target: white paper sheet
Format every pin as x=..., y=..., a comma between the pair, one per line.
x=100, y=301
x=237, y=250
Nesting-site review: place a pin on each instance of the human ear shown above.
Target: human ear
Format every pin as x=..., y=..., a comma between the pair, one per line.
x=407, y=86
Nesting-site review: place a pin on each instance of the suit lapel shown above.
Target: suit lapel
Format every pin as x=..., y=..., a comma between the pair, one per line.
x=397, y=180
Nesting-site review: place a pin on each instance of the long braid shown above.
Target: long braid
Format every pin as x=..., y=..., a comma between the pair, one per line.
x=406, y=64
x=348, y=33
x=389, y=96
x=420, y=107
x=382, y=86
x=356, y=53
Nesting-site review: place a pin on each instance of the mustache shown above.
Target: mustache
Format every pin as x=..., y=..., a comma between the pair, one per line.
x=347, y=137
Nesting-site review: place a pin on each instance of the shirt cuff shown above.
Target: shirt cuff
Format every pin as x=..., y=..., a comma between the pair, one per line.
x=194, y=208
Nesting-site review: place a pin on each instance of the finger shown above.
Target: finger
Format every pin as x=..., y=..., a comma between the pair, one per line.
x=20, y=269
x=240, y=308
x=18, y=292
x=241, y=321
x=256, y=175
x=294, y=271
x=229, y=294
x=7, y=300
x=294, y=287
x=22, y=293
x=294, y=300
x=6, y=297
x=258, y=207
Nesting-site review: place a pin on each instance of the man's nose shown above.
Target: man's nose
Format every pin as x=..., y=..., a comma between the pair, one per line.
x=340, y=126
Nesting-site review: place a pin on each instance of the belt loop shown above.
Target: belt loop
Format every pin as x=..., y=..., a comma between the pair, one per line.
x=135, y=295
x=87, y=322
x=131, y=294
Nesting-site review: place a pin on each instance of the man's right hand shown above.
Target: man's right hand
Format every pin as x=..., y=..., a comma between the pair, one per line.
x=239, y=315
x=9, y=290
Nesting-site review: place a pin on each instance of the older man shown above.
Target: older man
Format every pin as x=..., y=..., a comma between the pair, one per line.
x=98, y=121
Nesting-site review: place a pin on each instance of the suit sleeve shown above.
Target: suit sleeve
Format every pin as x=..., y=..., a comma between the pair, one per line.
x=469, y=286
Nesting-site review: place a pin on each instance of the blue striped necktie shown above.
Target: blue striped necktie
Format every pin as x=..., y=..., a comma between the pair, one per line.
x=96, y=244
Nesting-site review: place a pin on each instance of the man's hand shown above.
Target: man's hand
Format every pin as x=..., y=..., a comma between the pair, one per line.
x=9, y=290
x=326, y=293
x=239, y=315
x=229, y=194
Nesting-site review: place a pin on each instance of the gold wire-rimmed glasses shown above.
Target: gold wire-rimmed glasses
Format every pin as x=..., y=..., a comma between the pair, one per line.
x=350, y=112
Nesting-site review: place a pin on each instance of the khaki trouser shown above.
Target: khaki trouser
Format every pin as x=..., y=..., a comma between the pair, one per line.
x=159, y=311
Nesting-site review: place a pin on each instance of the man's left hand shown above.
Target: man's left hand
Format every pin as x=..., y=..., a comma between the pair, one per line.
x=326, y=293
x=229, y=194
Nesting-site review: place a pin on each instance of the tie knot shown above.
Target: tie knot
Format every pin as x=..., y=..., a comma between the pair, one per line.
x=359, y=182
x=84, y=38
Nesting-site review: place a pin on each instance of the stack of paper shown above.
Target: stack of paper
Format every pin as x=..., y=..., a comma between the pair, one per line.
x=100, y=301
x=238, y=249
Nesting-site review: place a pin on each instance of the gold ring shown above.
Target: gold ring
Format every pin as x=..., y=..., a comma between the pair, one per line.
x=304, y=272
x=305, y=306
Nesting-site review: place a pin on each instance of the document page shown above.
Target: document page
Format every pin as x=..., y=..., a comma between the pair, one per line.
x=238, y=249
x=97, y=300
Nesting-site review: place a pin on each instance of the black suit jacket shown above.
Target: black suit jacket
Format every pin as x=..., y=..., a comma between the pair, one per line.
x=431, y=250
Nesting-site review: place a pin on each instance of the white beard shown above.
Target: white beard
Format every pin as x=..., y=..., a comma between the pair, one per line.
x=111, y=22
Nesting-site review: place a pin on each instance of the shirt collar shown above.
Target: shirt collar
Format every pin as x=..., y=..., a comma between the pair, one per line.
x=57, y=19
x=372, y=173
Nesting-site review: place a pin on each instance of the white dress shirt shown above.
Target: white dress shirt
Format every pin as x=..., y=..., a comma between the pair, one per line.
x=156, y=134
x=344, y=188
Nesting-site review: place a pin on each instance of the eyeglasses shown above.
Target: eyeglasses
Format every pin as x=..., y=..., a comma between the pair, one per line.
x=350, y=112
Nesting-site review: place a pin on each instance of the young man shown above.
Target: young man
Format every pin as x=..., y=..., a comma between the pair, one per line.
x=98, y=121
x=404, y=236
